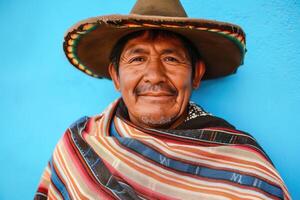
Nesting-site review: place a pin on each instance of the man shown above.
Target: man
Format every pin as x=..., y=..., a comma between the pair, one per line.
x=153, y=143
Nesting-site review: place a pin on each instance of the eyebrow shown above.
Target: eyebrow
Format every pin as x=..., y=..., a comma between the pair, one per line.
x=169, y=51
x=165, y=51
x=136, y=50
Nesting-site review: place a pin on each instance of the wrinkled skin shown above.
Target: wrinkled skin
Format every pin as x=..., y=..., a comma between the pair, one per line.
x=155, y=80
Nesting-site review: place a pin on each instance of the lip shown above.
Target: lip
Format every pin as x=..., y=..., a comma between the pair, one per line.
x=156, y=94
x=160, y=97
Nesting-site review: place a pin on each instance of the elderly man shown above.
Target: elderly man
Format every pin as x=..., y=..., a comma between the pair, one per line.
x=153, y=143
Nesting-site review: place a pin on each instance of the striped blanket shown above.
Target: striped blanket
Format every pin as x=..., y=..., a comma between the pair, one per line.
x=107, y=157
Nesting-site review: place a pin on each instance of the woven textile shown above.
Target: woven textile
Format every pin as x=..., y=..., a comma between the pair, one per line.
x=107, y=157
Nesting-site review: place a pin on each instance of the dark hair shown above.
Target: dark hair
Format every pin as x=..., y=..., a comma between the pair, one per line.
x=153, y=34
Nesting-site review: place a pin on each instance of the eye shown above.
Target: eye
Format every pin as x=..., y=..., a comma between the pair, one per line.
x=171, y=59
x=137, y=59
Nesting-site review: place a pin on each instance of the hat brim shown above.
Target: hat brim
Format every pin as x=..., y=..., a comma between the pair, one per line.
x=88, y=44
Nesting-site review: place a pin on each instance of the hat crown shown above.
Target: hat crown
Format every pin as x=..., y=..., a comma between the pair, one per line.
x=167, y=8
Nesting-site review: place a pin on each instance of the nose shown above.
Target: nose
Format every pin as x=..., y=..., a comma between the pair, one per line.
x=155, y=71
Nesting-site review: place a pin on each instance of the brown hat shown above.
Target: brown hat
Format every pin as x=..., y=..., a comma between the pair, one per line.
x=88, y=43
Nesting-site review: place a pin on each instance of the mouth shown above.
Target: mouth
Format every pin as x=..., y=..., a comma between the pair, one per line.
x=156, y=94
x=157, y=97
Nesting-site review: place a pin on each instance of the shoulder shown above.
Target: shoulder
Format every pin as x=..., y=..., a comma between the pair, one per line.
x=85, y=124
x=79, y=124
x=73, y=134
x=73, y=142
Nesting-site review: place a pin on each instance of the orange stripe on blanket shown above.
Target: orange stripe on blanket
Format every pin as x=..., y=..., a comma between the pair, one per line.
x=174, y=182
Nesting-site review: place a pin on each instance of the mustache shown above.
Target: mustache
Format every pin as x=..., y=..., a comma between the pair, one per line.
x=160, y=87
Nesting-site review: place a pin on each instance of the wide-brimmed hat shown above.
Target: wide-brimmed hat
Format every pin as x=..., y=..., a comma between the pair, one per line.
x=88, y=43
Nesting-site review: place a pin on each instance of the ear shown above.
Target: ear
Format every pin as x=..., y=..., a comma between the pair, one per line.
x=199, y=72
x=114, y=76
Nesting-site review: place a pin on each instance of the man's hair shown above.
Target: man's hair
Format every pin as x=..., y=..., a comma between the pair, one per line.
x=153, y=34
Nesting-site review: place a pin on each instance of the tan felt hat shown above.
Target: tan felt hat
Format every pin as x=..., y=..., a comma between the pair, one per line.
x=88, y=43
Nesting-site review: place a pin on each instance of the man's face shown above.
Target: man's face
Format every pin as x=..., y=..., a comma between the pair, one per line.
x=155, y=80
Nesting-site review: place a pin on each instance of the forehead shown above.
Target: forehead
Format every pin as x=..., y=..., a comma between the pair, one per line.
x=162, y=40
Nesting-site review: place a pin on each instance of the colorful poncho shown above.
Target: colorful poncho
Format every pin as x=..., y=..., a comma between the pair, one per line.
x=107, y=157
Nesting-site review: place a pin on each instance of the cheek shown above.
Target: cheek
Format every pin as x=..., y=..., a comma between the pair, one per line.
x=128, y=82
x=182, y=81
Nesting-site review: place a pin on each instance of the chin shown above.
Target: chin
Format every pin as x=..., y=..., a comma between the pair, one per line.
x=157, y=121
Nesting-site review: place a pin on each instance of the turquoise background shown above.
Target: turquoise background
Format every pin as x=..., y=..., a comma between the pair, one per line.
x=42, y=94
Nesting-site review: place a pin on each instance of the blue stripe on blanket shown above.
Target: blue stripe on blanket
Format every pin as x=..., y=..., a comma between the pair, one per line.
x=58, y=183
x=197, y=170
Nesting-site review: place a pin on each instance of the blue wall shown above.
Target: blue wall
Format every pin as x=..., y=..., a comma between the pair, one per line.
x=41, y=94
